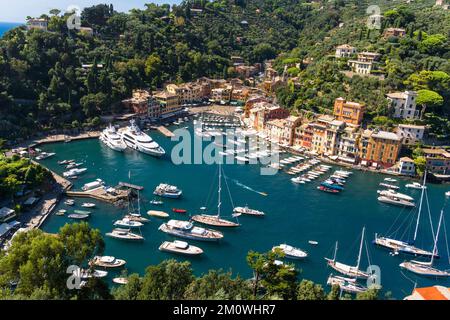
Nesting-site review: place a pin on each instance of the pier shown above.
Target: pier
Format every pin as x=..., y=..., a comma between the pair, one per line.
x=165, y=131
x=99, y=194
x=129, y=186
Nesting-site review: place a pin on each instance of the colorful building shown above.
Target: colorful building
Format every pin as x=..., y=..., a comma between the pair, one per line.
x=349, y=112
x=379, y=148
x=168, y=102
x=438, y=160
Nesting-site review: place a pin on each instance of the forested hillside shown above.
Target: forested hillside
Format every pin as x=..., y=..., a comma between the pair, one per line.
x=43, y=84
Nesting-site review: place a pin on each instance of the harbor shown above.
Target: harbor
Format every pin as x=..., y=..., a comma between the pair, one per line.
x=297, y=214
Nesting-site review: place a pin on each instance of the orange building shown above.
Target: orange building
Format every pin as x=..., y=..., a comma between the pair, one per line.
x=379, y=148
x=349, y=112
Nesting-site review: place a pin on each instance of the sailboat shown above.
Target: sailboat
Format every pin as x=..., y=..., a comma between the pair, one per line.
x=426, y=268
x=350, y=271
x=398, y=246
x=216, y=220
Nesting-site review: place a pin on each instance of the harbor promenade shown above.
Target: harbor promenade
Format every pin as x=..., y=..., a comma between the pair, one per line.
x=166, y=132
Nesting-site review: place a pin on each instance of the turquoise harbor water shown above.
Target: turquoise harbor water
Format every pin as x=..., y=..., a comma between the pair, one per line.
x=5, y=26
x=294, y=214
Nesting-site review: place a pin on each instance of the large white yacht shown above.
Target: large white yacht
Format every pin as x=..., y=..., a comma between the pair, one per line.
x=112, y=139
x=136, y=139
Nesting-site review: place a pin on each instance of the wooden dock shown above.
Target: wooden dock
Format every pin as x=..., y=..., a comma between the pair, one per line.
x=100, y=194
x=129, y=186
x=165, y=131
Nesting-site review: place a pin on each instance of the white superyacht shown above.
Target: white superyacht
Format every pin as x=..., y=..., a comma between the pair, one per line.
x=112, y=139
x=136, y=139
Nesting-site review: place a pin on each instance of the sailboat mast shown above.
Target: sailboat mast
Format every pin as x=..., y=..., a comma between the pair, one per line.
x=420, y=206
x=335, y=251
x=139, y=204
x=218, y=191
x=360, y=248
x=437, y=236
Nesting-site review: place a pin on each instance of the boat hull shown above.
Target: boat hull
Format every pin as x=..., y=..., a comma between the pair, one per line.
x=214, y=221
x=187, y=235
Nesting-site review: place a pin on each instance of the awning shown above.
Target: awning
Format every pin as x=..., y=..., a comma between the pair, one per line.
x=334, y=158
x=374, y=164
x=364, y=163
x=346, y=159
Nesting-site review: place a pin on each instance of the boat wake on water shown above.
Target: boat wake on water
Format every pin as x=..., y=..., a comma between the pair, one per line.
x=247, y=187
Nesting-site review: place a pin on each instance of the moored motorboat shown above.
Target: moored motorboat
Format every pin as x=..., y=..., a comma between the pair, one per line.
x=136, y=217
x=186, y=229
x=181, y=247
x=92, y=185
x=124, y=234
x=178, y=210
x=128, y=223
x=78, y=216
x=157, y=213
x=396, y=201
x=107, y=262
x=69, y=202
x=348, y=285
x=389, y=186
x=167, y=191
x=88, y=205
x=120, y=280
x=391, y=193
x=61, y=212
x=414, y=185
x=291, y=252
x=246, y=210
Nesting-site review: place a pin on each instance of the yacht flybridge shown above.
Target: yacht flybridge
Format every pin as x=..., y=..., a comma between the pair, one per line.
x=138, y=140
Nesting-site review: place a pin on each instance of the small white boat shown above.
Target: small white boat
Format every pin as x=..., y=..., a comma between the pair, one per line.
x=447, y=194
x=312, y=242
x=414, y=185
x=107, y=262
x=61, y=212
x=124, y=234
x=88, y=205
x=247, y=210
x=181, y=247
x=93, y=185
x=291, y=252
x=156, y=213
x=389, y=186
x=86, y=274
x=128, y=223
x=120, y=280
x=390, y=180
x=156, y=202
x=396, y=201
x=394, y=194
x=346, y=284
x=69, y=202
x=167, y=191
x=45, y=155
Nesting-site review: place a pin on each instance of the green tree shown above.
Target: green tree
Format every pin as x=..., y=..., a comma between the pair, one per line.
x=217, y=284
x=429, y=99
x=166, y=281
x=308, y=290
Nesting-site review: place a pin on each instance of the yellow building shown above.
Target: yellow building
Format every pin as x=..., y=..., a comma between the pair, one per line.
x=169, y=103
x=379, y=148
